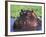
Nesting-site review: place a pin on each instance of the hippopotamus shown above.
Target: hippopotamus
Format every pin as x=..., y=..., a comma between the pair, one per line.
x=28, y=21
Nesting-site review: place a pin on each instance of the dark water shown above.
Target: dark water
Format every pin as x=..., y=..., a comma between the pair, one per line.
x=11, y=24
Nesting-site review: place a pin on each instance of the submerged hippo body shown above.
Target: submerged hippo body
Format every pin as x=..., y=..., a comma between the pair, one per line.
x=27, y=21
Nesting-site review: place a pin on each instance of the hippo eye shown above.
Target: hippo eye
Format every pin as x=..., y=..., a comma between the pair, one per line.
x=24, y=12
x=21, y=10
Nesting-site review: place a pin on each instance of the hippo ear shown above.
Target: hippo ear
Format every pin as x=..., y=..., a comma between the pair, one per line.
x=21, y=10
x=32, y=11
x=21, y=13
